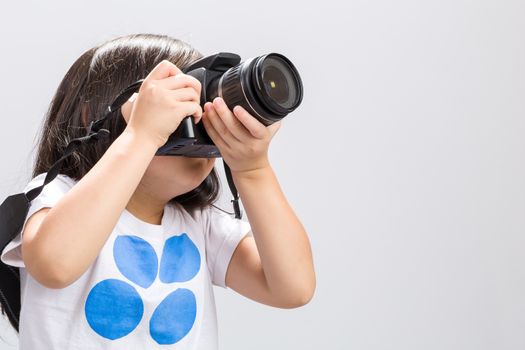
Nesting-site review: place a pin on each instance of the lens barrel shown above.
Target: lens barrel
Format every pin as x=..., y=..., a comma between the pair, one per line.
x=268, y=87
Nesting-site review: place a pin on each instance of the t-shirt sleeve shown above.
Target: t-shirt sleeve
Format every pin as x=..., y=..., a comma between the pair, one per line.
x=223, y=234
x=51, y=193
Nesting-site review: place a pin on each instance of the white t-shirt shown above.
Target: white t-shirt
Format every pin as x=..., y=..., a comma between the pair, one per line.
x=149, y=288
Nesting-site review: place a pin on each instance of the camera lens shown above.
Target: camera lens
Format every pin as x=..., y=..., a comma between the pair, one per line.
x=268, y=87
x=279, y=82
x=275, y=84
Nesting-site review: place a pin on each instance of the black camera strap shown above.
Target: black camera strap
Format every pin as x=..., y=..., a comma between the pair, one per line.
x=14, y=209
x=122, y=98
x=233, y=189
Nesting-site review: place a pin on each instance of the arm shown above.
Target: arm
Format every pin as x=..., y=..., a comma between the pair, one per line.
x=275, y=266
x=64, y=241
x=59, y=249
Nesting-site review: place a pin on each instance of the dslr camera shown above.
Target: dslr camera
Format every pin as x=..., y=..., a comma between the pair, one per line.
x=267, y=86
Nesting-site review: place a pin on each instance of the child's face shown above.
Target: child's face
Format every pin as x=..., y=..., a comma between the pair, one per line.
x=169, y=176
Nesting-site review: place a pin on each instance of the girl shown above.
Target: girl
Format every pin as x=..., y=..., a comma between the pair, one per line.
x=121, y=250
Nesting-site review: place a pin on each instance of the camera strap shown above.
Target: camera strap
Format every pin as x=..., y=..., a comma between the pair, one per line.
x=14, y=209
x=13, y=212
x=122, y=98
x=233, y=189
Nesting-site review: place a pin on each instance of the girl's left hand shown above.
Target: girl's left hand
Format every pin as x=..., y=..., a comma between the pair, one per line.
x=242, y=139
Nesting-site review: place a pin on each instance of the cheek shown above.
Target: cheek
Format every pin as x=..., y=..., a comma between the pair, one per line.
x=210, y=166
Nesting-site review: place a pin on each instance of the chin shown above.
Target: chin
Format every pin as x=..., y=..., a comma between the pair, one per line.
x=198, y=169
x=174, y=169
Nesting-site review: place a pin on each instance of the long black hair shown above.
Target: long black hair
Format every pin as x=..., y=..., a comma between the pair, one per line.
x=89, y=86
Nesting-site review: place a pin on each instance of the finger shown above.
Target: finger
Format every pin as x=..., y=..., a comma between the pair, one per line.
x=235, y=127
x=163, y=70
x=256, y=128
x=185, y=94
x=212, y=132
x=197, y=118
x=180, y=81
x=214, y=119
x=189, y=109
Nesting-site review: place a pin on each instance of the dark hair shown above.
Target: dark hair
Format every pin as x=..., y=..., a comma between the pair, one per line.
x=88, y=88
x=90, y=85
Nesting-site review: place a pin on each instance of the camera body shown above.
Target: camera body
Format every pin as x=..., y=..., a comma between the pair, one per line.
x=268, y=87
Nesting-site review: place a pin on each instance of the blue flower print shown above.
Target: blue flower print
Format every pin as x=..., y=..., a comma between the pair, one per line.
x=114, y=308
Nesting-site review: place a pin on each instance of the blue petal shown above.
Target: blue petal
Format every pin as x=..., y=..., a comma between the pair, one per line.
x=174, y=317
x=180, y=260
x=113, y=308
x=136, y=259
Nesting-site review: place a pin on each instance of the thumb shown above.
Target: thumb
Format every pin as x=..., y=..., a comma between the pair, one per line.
x=163, y=70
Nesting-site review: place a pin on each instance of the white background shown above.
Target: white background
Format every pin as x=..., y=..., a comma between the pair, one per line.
x=405, y=161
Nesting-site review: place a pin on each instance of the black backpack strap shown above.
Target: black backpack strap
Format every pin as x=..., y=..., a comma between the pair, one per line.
x=13, y=213
x=14, y=209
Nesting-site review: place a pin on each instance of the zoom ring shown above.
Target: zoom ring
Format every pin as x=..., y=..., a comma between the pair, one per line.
x=233, y=95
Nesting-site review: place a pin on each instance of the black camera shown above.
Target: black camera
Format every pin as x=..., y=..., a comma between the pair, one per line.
x=267, y=86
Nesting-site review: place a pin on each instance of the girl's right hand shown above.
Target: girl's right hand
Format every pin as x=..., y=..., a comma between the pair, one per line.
x=165, y=98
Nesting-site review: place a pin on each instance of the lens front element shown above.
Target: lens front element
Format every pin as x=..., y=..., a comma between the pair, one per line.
x=279, y=82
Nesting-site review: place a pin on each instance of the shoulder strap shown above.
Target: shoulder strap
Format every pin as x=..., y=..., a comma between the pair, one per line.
x=14, y=209
x=93, y=133
x=55, y=169
x=13, y=212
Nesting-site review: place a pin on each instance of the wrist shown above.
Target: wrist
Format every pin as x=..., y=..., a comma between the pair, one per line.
x=252, y=173
x=142, y=138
